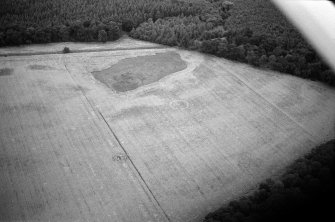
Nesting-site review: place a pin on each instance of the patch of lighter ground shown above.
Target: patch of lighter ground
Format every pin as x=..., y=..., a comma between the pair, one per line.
x=193, y=59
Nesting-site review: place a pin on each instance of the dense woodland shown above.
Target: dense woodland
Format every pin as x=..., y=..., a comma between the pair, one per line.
x=42, y=21
x=304, y=193
x=250, y=31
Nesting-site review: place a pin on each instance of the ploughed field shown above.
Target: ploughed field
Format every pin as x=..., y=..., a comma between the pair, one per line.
x=145, y=132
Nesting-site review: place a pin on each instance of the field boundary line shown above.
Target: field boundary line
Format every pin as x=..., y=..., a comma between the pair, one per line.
x=79, y=51
x=133, y=164
x=312, y=137
x=146, y=186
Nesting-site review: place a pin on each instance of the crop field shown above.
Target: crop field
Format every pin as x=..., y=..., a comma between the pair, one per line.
x=145, y=133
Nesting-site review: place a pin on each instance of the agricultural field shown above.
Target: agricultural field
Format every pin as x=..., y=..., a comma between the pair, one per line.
x=145, y=134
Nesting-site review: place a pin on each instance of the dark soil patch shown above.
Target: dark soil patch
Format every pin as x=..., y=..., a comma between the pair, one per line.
x=40, y=67
x=131, y=73
x=23, y=107
x=6, y=72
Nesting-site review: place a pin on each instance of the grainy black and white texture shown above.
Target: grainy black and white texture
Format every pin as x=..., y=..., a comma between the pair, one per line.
x=221, y=111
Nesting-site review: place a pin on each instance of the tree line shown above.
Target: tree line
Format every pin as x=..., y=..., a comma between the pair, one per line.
x=42, y=21
x=87, y=31
x=305, y=192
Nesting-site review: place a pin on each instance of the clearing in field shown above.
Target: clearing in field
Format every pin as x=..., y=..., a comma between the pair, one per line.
x=147, y=134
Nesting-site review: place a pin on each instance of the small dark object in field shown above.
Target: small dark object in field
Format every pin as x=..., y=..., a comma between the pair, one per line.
x=66, y=50
x=120, y=157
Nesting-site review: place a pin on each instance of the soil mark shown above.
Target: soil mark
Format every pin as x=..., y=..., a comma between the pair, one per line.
x=131, y=73
x=6, y=72
x=40, y=67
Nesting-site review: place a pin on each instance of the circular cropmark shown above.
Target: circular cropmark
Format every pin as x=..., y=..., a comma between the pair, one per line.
x=179, y=104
